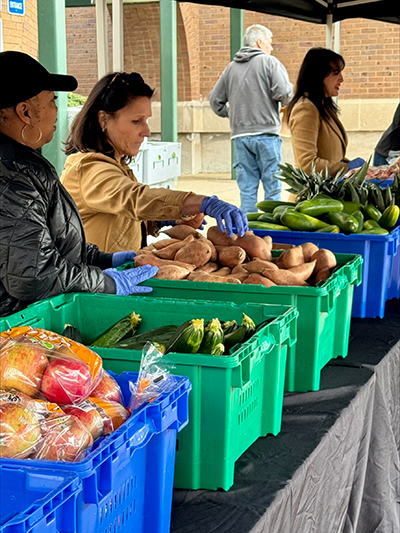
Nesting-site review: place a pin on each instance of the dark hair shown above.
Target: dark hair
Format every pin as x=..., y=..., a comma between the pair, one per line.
x=317, y=64
x=110, y=94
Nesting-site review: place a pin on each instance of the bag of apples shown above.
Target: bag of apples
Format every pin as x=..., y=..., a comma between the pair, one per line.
x=43, y=365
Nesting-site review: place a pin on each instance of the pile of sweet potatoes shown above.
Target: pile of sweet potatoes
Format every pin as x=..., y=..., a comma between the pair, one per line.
x=187, y=254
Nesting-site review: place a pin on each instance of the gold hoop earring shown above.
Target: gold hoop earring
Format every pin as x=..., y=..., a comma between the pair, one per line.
x=26, y=140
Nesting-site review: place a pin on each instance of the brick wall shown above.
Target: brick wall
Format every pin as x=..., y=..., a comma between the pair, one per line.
x=371, y=49
x=21, y=33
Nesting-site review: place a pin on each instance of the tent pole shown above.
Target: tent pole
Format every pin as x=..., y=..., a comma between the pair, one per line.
x=169, y=70
x=337, y=40
x=329, y=31
x=118, y=35
x=237, y=32
x=102, y=39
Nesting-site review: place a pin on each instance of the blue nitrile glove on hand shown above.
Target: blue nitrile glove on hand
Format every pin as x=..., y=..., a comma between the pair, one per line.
x=119, y=258
x=225, y=214
x=126, y=281
x=355, y=163
x=167, y=223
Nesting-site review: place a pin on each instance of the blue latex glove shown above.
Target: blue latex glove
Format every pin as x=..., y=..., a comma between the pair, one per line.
x=126, y=281
x=355, y=163
x=119, y=258
x=225, y=214
x=167, y=223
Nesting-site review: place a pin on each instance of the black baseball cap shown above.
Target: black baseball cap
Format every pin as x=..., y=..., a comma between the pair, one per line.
x=22, y=77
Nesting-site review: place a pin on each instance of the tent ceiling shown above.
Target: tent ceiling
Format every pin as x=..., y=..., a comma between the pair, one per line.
x=317, y=10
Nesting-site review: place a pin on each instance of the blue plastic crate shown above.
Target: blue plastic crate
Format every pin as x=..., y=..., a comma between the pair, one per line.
x=126, y=481
x=381, y=266
x=31, y=502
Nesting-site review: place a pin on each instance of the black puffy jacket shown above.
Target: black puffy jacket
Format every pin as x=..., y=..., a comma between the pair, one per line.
x=43, y=250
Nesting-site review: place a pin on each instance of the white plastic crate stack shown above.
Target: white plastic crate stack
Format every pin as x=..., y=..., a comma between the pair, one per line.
x=158, y=164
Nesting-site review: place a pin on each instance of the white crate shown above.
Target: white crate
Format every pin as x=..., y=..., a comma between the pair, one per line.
x=162, y=162
x=137, y=165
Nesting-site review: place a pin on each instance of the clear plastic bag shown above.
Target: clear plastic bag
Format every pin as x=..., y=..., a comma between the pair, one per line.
x=154, y=377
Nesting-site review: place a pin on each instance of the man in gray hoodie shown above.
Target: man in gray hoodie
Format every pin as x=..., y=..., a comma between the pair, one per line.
x=250, y=92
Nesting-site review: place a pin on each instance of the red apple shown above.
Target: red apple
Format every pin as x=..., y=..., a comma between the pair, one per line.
x=67, y=381
x=21, y=367
x=19, y=431
x=64, y=438
x=108, y=389
x=87, y=413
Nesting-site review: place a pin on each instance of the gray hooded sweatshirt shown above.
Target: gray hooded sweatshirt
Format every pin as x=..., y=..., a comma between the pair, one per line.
x=250, y=92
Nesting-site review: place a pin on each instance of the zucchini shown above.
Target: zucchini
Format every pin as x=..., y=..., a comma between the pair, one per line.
x=360, y=219
x=126, y=327
x=228, y=326
x=246, y=329
x=161, y=335
x=371, y=224
x=329, y=229
x=219, y=349
x=374, y=231
x=187, y=338
x=389, y=216
x=253, y=216
x=213, y=335
x=269, y=205
x=257, y=224
x=350, y=207
x=300, y=222
x=370, y=211
x=267, y=217
x=319, y=206
x=72, y=333
x=347, y=223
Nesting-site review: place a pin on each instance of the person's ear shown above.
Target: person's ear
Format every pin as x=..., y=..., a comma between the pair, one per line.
x=102, y=118
x=23, y=112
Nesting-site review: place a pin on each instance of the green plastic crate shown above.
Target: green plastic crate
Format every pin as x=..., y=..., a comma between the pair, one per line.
x=323, y=326
x=234, y=400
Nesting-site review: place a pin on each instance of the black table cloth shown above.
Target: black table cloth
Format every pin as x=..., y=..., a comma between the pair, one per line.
x=334, y=467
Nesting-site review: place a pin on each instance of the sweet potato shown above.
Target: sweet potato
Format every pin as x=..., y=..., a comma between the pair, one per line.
x=197, y=253
x=258, y=279
x=149, y=248
x=180, y=231
x=284, y=277
x=304, y=271
x=257, y=265
x=151, y=259
x=230, y=256
x=292, y=257
x=254, y=246
x=202, y=276
x=172, y=272
x=325, y=259
x=241, y=276
x=218, y=238
x=309, y=248
x=209, y=267
x=239, y=269
x=224, y=271
x=158, y=245
x=268, y=240
x=214, y=254
x=322, y=275
x=168, y=252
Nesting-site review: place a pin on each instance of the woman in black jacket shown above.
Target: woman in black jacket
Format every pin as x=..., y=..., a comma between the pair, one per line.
x=43, y=251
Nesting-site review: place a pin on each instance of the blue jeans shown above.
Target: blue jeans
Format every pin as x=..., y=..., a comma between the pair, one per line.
x=257, y=158
x=379, y=160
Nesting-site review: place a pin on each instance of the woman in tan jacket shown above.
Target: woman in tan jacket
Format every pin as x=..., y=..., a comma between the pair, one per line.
x=118, y=211
x=318, y=136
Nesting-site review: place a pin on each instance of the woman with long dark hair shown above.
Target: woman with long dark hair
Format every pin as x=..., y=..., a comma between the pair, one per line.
x=318, y=136
x=118, y=211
